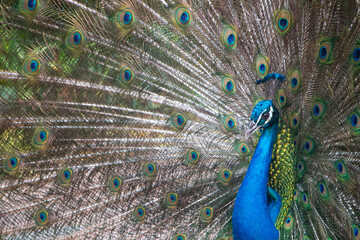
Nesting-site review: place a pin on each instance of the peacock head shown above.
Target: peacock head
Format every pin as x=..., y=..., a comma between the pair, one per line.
x=264, y=115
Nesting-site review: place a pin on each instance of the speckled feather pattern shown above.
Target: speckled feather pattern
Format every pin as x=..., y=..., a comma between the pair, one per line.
x=283, y=171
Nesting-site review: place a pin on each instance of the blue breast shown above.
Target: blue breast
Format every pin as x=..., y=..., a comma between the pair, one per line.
x=253, y=213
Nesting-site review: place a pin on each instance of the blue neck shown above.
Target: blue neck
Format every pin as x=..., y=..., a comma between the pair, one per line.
x=251, y=216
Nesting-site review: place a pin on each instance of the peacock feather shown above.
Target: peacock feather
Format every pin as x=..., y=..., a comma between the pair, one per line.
x=179, y=119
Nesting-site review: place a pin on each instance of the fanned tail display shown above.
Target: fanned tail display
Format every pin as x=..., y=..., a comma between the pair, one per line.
x=179, y=119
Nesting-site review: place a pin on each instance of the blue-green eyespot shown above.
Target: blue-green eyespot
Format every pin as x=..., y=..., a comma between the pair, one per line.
x=65, y=176
x=11, y=164
x=41, y=217
x=115, y=183
x=182, y=17
x=125, y=18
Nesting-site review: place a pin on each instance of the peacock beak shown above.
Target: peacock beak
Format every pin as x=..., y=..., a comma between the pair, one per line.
x=251, y=129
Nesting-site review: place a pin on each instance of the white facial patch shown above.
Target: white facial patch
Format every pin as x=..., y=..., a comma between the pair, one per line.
x=271, y=112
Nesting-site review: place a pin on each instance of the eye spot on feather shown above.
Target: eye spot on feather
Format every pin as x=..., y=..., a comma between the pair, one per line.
x=323, y=190
x=354, y=121
x=29, y=6
x=65, y=176
x=296, y=195
x=11, y=164
x=281, y=97
x=340, y=168
x=192, y=157
x=41, y=137
x=228, y=85
x=325, y=50
x=75, y=39
x=171, y=200
x=125, y=76
x=206, y=214
x=31, y=67
x=149, y=170
x=295, y=80
x=356, y=54
x=115, y=184
x=182, y=17
x=225, y=177
x=300, y=169
x=125, y=18
x=178, y=120
x=295, y=121
x=229, y=38
x=341, y=171
x=318, y=109
x=41, y=217
x=229, y=123
x=355, y=232
x=32, y=4
x=243, y=149
x=34, y=65
x=305, y=200
x=262, y=66
x=309, y=146
x=139, y=213
x=288, y=222
x=180, y=237
x=283, y=21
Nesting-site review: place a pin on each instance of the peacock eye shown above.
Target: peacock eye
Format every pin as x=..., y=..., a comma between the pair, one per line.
x=265, y=116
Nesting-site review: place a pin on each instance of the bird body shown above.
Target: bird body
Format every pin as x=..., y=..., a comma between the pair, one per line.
x=252, y=201
x=127, y=119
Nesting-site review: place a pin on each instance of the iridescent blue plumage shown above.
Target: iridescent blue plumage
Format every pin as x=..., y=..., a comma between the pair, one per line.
x=255, y=213
x=269, y=76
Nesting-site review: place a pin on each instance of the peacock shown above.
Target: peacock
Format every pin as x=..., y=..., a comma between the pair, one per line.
x=180, y=119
